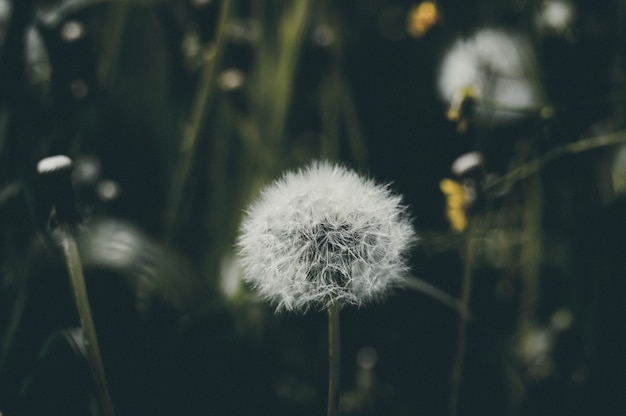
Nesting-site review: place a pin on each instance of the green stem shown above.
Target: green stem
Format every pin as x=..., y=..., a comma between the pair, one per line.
x=116, y=17
x=536, y=165
x=466, y=291
x=334, y=360
x=531, y=252
x=422, y=286
x=75, y=270
x=281, y=75
x=196, y=119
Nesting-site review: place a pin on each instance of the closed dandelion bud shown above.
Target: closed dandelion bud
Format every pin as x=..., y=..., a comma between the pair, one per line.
x=55, y=173
x=323, y=236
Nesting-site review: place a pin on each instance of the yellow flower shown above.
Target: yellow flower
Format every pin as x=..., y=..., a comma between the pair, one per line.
x=421, y=18
x=456, y=204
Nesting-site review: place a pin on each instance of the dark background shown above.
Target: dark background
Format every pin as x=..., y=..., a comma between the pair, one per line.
x=340, y=80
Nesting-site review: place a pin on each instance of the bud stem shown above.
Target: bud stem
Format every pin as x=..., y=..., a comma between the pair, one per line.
x=77, y=279
x=334, y=360
x=466, y=291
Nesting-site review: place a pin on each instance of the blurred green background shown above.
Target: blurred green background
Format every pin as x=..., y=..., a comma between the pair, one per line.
x=177, y=112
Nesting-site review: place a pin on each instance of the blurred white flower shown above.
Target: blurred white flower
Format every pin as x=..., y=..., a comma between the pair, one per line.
x=556, y=15
x=501, y=69
x=323, y=235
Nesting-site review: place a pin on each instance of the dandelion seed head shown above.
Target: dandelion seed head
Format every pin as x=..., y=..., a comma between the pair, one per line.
x=500, y=67
x=324, y=235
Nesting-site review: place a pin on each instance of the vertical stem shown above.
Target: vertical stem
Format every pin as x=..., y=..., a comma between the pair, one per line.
x=466, y=290
x=334, y=360
x=116, y=17
x=281, y=69
x=196, y=120
x=531, y=252
x=75, y=270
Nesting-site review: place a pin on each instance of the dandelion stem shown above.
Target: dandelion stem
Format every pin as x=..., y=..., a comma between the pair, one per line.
x=334, y=360
x=75, y=270
x=56, y=171
x=466, y=288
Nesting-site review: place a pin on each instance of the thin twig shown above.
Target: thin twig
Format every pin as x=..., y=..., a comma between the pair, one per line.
x=434, y=292
x=537, y=164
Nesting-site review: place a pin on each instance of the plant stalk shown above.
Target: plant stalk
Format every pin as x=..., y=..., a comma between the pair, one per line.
x=466, y=290
x=116, y=18
x=334, y=360
x=77, y=279
x=193, y=129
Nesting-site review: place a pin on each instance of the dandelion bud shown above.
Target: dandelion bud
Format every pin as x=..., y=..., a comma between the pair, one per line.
x=467, y=164
x=55, y=172
x=323, y=235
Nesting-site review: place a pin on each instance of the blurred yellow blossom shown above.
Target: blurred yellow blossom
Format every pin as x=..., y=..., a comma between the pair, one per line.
x=456, y=203
x=421, y=18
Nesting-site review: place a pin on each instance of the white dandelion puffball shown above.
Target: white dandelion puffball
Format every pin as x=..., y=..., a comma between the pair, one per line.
x=324, y=235
x=500, y=66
